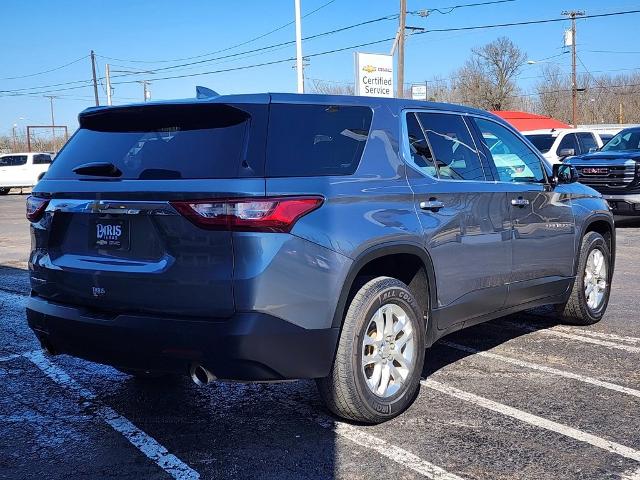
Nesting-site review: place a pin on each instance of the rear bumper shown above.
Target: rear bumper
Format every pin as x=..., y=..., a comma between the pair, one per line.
x=247, y=346
x=624, y=204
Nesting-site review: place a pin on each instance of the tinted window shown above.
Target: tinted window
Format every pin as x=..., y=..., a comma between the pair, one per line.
x=587, y=141
x=513, y=159
x=625, y=140
x=419, y=147
x=542, y=141
x=313, y=140
x=168, y=142
x=13, y=160
x=452, y=146
x=569, y=141
x=41, y=159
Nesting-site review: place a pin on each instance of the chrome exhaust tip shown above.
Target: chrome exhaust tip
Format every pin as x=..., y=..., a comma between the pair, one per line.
x=200, y=375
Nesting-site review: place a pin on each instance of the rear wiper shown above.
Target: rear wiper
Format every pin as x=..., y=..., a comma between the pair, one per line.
x=99, y=169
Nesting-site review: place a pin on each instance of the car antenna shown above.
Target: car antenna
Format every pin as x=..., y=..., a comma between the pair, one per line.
x=204, y=92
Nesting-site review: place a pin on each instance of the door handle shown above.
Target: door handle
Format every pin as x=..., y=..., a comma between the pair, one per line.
x=432, y=204
x=519, y=202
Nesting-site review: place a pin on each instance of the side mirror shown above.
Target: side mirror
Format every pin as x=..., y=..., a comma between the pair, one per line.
x=564, y=173
x=593, y=149
x=566, y=152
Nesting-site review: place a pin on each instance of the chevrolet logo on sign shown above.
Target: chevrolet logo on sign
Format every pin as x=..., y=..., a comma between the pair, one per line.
x=369, y=68
x=595, y=171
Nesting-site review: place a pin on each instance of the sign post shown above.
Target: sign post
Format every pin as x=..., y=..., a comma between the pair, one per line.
x=374, y=75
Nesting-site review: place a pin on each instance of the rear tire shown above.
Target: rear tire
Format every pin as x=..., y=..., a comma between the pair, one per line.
x=590, y=293
x=380, y=355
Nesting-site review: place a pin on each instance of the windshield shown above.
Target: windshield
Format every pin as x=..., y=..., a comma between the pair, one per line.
x=542, y=141
x=625, y=140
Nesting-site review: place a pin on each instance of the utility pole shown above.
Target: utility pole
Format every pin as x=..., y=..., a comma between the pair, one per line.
x=107, y=75
x=573, y=14
x=53, y=120
x=299, y=66
x=145, y=91
x=95, y=80
x=15, y=138
x=401, y=27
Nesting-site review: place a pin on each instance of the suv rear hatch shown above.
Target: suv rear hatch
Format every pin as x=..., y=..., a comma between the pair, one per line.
x=115, y=236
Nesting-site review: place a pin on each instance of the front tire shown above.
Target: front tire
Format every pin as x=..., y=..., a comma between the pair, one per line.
x=591, y=288
x=376, y=372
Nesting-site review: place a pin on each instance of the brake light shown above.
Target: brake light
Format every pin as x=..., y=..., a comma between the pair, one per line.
x=276, y=214
x=35, y=208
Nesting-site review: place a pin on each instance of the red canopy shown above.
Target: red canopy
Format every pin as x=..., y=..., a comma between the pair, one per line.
x=524, y=121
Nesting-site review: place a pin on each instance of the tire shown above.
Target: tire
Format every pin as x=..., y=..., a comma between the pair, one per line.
x=580, y=308
x=4, y=191
x=346, y=390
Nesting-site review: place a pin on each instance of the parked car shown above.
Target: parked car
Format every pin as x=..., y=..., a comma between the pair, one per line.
x=558, y=144
x=614, y=171
x=22, y=170
x=280, y=236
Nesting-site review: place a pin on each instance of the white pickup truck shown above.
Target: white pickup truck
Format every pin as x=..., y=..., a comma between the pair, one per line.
x=22, y=169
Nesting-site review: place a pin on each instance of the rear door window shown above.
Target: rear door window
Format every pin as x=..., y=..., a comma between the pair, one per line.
x=419, y=149
x=158, y=142
x=13, y=160
x=455, y=153
x=316, y=140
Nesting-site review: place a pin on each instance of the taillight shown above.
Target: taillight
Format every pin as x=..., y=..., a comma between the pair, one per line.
x=35, y=208
x=276, y=214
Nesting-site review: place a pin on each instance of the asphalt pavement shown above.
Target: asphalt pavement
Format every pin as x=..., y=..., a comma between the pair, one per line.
x=517, y=398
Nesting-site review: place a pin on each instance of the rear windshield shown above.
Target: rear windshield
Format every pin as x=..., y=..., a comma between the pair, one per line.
x=167, y=142
x=543, y=142
x=313, y=140
x=158, y=142
x=13, y=160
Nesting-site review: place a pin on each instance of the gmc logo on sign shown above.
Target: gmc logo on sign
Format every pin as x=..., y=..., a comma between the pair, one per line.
x=595, y=171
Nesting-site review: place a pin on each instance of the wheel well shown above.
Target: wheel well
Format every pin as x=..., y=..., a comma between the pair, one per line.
x=603, y=228
x=406, y=267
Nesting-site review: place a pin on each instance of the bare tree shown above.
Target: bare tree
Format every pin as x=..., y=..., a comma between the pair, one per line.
x=331, y=88
x=487, y=79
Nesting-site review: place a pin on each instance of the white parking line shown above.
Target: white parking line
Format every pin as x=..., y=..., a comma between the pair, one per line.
x=8, y=357
x=357, y=435
x=580, y=338
x=543, y=368
x=535, y=420
x=139, y=439
x=593, y=333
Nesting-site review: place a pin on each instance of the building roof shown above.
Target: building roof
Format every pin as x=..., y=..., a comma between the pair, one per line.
x=524, y=121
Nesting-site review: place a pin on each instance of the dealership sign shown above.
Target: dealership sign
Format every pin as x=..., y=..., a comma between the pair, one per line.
x=374, y=75
x=419, y=91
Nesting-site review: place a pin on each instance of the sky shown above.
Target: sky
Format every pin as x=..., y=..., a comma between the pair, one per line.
x=148, y=36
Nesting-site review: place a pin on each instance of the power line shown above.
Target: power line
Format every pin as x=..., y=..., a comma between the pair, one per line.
x=441, y=10
x=45, y=71
x=222, y=49
x=268, y=47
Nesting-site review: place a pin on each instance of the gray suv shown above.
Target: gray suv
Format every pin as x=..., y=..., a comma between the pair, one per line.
x=278, y=236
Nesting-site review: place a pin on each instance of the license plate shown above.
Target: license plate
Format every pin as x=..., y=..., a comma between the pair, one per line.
x=107, y=234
